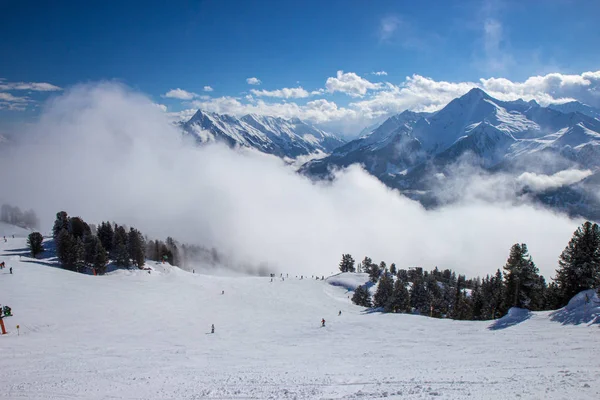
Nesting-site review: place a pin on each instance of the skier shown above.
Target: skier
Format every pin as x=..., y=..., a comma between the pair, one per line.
x=340, y=313
x=323, y=322
x=212, y=328
x=223, y=292
x=11, y=270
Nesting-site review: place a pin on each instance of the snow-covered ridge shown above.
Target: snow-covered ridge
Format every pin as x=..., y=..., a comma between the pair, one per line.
x=407, y=149
x=273, y=135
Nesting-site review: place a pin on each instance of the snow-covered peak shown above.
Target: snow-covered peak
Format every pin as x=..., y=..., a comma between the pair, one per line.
x=273, y=135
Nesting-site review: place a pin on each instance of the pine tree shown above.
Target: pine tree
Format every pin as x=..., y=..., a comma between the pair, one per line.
x=34, y=241
x=69, y=250
x=78, y=227
x=90, y=246
x=579, y=263
x=393, y=269
x=418, y=297
x=384, y=292
x=61, y=222
x=522, y=281
x=347, y=263
x=400, y=301
x=100, y=259
x=136, y=247
x=361, y=296
x=120, y=251
x=106, y=235
x=174, y=258
x=374, y=272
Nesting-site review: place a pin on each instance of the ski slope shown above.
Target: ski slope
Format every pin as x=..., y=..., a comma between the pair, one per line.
x=135, y=335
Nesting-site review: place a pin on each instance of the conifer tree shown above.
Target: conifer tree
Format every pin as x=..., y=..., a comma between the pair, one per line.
x=374, y=272
x=100, y=259
x=579, y=263
x=89, y=243
x=522, y=280
x=61, y=222
x=347, y=263
x=120, y=250
x=34, y=241
x=106, y=235
x=136, y=247
x=69, y=250
x=361, y=296
x=384, y=292
x=418, y=297
x=400, y=301
x=78, y=228
x=393, y=269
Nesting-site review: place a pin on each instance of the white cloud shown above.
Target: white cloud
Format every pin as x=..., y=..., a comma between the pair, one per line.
x=316, y=111
x=32, y=86
x=237, y=200
x=183, y=115
x=180, y=94
x=7, y=97
x=253, y=81
x=379, y=73
x=387, y=27
x=541, y=182
x=162, y=107
x=208, y=89
x=285, y=93
x=497, y=57
x=350, y=83
x=416, y=92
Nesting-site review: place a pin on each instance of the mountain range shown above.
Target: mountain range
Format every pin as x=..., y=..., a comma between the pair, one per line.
x=418, y=153
x=272, y=135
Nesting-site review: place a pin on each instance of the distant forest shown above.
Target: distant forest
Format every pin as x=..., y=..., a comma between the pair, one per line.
x=14, y=216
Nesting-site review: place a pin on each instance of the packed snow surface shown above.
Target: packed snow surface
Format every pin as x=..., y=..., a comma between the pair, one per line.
x=140, y=335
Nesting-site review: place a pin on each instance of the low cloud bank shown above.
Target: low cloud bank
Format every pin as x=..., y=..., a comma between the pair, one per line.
x=103, y=152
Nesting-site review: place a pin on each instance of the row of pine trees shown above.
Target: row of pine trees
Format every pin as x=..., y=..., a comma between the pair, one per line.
x=81, y=247
x=84, y=247
x=445, y=294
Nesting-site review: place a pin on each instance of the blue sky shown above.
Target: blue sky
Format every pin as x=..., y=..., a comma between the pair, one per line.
x=210, y=48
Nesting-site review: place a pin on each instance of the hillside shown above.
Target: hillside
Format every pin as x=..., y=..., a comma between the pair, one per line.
x=134, y=334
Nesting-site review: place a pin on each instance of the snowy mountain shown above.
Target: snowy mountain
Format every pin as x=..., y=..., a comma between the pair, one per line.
x=575, y=106
x=408, y=149
x=272, y=135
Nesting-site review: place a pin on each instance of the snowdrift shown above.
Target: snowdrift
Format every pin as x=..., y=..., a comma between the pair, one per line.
x=349, y=281
x=584, y=308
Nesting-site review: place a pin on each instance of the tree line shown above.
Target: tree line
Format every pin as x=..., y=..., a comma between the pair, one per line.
x=14, y=216
x=84, y=247
x=444, y=294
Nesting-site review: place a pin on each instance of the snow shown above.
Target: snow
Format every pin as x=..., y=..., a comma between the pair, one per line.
x=286, y=138
x=135, y=335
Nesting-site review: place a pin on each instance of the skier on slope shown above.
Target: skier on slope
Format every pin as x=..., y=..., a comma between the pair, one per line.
x=340, y=313
x=323, y=322
x=212, y=328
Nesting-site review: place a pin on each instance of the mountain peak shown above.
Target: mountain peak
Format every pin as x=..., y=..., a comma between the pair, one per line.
x=475, y=94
